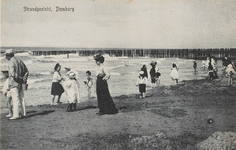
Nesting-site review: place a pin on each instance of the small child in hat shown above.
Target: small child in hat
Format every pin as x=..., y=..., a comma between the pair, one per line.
x=141, y=83
x=89, y=83
x=8, y=95
x=72, y=91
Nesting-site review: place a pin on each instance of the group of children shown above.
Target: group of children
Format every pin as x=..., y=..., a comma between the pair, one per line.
x=155, y=74
x=143, y=78
x=210, y=64
x=69, y=85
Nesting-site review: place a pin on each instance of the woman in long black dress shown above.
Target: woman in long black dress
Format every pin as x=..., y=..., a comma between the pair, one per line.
x=105, y=102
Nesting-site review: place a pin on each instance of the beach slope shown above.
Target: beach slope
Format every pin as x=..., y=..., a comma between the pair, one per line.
x=171, y=117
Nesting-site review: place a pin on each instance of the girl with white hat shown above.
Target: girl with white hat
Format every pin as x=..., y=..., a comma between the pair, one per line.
x=72, y=91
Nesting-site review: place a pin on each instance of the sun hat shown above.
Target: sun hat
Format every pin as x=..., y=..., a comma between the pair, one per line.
x=71, y=75
x=68, y=68
x=98, y=55
x=4, y=71
x=141, y=72
x=153, y=63
x=9, y=51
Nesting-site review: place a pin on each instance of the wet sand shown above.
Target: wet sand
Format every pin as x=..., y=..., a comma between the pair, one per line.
x=180, y=112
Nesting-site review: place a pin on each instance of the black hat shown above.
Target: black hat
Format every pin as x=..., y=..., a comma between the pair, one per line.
x=97, y=56
x=153, y=63
x=5, y=71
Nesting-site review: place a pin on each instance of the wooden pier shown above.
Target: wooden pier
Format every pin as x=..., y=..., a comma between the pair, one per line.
x=116, y=52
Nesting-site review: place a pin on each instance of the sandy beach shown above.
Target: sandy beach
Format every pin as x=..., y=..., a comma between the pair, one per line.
x=177, y=115
x=188, y=41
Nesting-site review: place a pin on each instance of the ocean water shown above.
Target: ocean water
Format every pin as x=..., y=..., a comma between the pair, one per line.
x=124, y=73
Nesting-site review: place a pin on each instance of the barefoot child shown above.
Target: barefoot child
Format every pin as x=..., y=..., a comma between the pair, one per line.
x=89, y=83
x=174, y=74
x=72, y=91
x=7, y=93
x=141, y=83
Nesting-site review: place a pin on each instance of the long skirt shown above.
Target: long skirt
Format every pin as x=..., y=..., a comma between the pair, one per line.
x=105, y=102
x=142, y=88
x=57, y=88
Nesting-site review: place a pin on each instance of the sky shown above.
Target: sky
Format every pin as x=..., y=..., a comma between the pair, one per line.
x=120, y=24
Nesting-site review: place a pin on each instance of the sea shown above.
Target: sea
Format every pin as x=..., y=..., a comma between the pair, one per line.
x=124, y=73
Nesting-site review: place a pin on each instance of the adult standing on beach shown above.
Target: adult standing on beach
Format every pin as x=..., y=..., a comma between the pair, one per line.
x=153, y=73
x=18, y=75
x=204, y=64
x=195, y=65
x=174, y=74
x=213, y=63
x=230, y=69
x=207, y=62
x=105, y=102
x=57, y=88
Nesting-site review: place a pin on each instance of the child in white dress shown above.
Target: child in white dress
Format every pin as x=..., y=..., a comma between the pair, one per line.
x=141, y=83
x=72, y=91
x=7, y=93
x=89, y=83
x=174, y=74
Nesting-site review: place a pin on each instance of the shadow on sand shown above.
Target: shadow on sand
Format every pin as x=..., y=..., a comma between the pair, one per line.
x=34, y=113
x=86, y=107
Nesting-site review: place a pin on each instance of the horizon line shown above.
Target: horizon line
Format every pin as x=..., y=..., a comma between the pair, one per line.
x=110, y=48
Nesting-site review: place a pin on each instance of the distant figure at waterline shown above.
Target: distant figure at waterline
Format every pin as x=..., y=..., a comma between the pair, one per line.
x=174, y=74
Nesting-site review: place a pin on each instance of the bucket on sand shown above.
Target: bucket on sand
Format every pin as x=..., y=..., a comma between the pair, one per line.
x=24, y=87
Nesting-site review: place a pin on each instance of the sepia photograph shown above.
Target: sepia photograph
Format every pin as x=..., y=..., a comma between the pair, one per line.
x=118, y=75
